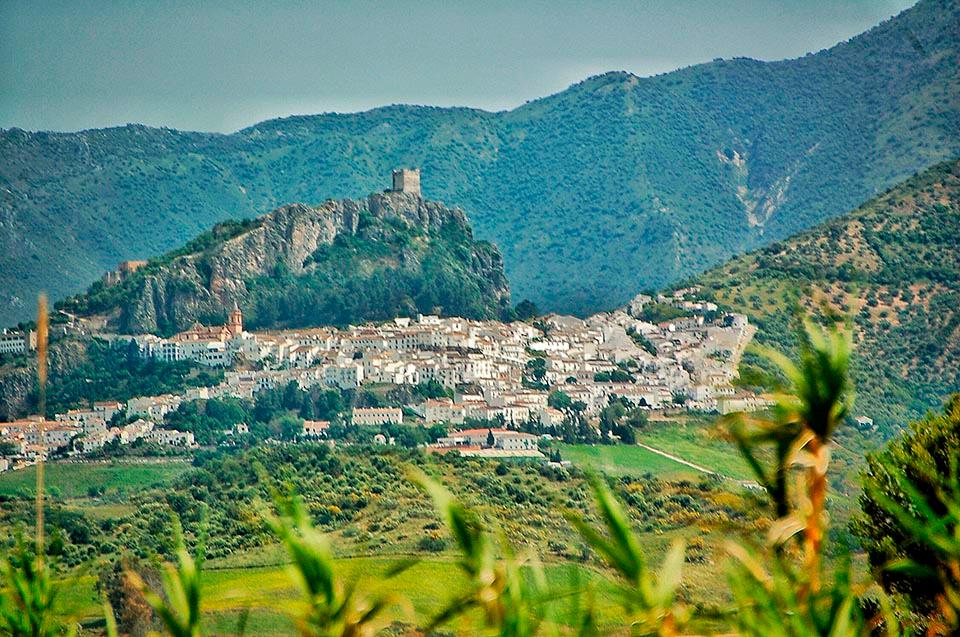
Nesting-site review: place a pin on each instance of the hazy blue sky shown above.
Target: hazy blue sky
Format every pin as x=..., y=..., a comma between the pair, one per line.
x=221, y=66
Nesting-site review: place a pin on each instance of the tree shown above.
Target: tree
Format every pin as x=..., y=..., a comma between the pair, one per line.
x=627, y=434
x=527, y=310
x=435, y=432
x=637, y=419
x=559, y=400
x=133, y=614
x=614, y=376
x=267, y=404
x=923, y=457
x=585, y=431
x=536, y=373
x=433, y=389
x=292, y=396
x=491, y=441
x=612, y=414
x=290, y=427
x=307, y=412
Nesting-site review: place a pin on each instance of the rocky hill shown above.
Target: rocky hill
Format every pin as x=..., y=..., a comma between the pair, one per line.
x=893, y=266
x=616, y=184
x=391, y=254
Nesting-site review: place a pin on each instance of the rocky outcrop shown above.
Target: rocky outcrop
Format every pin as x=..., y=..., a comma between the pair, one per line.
x=18, y=384
x=203, y=285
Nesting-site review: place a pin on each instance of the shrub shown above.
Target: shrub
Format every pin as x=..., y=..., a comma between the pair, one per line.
x=925, y=457
x=432, y=543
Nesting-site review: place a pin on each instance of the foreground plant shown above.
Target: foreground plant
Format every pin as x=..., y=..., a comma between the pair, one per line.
x=932, y=521
x=510, y=592
x=178, y=603
x=333, y=609
x=650, y=598
x=30, y=601
x=801, y=426
x=774, y=599
x=776, y=593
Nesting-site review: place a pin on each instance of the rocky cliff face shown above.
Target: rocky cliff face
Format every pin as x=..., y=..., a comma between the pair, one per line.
x=18, y=384
x=287, y=246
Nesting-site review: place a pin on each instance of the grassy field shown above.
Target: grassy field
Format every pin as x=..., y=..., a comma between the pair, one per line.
x=698, y=440
x=70, y=480
x=252, y=583
x=618, y=460
x=269, y=599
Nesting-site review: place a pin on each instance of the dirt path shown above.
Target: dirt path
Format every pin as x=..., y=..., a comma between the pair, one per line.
x=681, y=460
x=750, y=484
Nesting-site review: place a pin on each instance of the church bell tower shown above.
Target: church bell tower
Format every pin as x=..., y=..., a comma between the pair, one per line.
x=235, y=322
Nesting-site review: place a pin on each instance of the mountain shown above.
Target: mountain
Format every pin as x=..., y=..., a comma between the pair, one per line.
x=391, y=254
x=893, y=265
x=616, y=184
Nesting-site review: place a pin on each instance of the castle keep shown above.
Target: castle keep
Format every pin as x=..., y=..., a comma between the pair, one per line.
x=406, y=180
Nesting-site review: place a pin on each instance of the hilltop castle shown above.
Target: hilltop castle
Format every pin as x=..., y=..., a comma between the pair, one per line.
x=124, y=270
x=406, y=180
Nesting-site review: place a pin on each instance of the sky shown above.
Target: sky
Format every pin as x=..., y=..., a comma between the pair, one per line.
x=220, y=66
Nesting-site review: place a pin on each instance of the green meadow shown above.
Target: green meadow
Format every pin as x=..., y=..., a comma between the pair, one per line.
x=699, y=440
x=617, y=460
x=266, y=598
x=253, y=586
x=78, y=480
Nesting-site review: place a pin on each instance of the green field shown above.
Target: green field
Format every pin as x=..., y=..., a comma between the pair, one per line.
x=71, y=480
x=701, y=441
x=270, y=597
x=616, y=460
x=698, y=440
x=253, y=582
x=268, y=594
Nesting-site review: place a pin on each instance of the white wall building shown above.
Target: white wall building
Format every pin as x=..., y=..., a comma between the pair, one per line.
x=372, y=416
x=15, y=342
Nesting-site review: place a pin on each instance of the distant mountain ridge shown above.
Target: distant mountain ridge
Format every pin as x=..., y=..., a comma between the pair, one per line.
x=390, y=254
x=893, y=265
x=617, y=184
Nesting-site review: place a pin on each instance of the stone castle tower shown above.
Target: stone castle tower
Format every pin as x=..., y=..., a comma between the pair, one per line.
x=406, y=180
x=235, y=322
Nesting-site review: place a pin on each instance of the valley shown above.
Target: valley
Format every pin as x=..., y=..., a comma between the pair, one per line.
x=662, y=354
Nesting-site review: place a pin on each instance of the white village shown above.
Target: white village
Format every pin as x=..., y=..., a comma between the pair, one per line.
x=498, y=375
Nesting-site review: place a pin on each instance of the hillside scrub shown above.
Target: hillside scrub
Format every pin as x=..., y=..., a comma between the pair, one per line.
x=893, y=267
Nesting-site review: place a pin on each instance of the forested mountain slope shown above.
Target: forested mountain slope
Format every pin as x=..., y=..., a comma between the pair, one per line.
x=893, y=266
x=616, y=184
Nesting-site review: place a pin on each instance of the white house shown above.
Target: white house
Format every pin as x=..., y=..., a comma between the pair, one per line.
x=171, y=438
x=367, y=416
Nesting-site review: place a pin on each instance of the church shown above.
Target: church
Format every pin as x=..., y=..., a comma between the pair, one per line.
x=222, y=333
